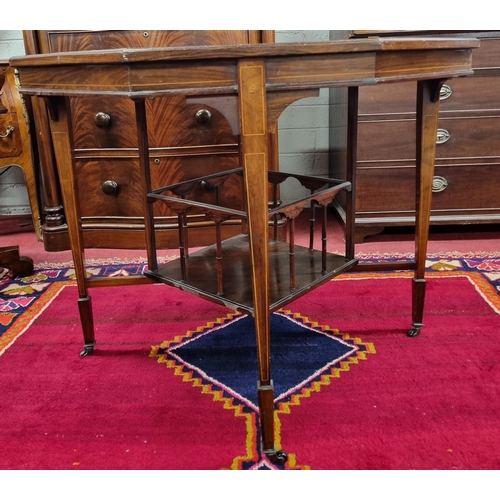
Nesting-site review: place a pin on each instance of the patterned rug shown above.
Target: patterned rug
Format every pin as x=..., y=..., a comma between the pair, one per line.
x=172, y=382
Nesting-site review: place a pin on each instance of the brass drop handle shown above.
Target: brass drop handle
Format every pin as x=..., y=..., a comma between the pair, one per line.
x=442, y=136
x=8, y=131
x=110, y=187
x=102, y=120
x=445, y=92
x=439, y=184
x=203, y=117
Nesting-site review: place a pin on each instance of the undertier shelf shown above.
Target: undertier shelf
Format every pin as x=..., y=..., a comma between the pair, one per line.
x=201, y=273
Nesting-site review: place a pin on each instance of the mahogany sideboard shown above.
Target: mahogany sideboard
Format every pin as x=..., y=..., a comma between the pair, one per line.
x=188, y=141
x=260, y=81
x=467, y=176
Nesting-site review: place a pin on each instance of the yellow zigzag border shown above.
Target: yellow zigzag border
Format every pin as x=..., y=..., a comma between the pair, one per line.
x=326, y=378
x=217, y=394
x=228, y=402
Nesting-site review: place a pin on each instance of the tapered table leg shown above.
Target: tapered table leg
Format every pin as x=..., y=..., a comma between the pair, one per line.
x=60, y=124
x=427, y=124
x=352, y=148
x=255, y=158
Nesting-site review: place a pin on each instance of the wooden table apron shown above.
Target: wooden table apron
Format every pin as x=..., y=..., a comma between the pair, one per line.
x=262, y=80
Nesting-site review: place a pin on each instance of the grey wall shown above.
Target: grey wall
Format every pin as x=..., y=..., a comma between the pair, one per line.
x=303, y=126
x=11, y=44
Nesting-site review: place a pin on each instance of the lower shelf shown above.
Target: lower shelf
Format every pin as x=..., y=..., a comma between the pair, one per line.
x=201, y=273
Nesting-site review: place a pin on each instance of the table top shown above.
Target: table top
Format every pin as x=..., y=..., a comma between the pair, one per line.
x=131, y=55
x=193, y=70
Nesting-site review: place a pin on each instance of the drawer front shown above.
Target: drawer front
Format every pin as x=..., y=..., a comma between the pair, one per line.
x=458, y=138
x=65, y=41
x=114, y=188
x=110, y=123
x=103, y=123
x=487, y=56
x=11, y=144
x=470, y=93
x=458, y=94
x=387, y=99
x=456, y=188
x=96, y=199
x=175, y=123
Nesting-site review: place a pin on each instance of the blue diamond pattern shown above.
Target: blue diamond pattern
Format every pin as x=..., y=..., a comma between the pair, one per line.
x=227, y=355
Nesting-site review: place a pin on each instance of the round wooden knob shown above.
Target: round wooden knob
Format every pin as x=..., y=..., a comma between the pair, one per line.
x=110, y=187
x=207, y=186
x=102, y=120
x=203, y=117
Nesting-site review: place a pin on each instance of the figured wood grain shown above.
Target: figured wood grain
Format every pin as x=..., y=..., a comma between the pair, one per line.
x=170, y=120
x=64, y=41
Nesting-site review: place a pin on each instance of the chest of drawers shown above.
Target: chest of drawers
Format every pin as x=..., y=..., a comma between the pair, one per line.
x=467, y=167
x=187, y=139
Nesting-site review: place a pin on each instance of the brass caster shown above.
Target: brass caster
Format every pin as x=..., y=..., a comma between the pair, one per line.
x=277, y=457
x=413, y=332
x=87, y=349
